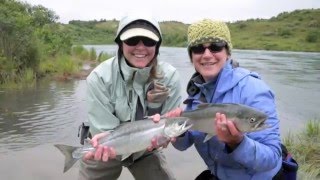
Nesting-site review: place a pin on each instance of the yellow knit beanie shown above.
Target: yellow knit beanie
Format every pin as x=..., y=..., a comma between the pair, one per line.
x=208, y=31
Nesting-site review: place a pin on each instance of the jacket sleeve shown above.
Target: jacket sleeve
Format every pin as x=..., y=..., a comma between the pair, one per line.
x=261, y=150
x=184, y=142
x=100, y=110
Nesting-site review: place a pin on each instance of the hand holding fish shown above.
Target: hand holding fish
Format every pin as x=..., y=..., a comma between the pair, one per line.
x=125, y=139
x=102, y=153
x=174, y=113
x=227, y=131
x=158, y=142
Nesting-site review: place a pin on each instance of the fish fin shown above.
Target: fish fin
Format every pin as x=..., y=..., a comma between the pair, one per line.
x=208, y=136
x=203, y=105
x=67, y=152
x=125, y=156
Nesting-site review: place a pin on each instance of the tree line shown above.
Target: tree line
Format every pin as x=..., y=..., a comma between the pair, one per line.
x=33, y=43
x=28, y=34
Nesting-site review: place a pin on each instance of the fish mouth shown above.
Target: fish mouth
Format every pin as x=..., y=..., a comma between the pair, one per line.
x=178, y=128
x=185, y=126
x=261, y=125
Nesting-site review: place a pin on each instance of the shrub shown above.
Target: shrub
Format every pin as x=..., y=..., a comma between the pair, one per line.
x=77, y=50
x=103, y=56
x=312, y=37
x=268, y=33
x=66, y=65
x=242, y=25
x=284, y=32
x=80, y=52
x=314, y=23
x=92, y=54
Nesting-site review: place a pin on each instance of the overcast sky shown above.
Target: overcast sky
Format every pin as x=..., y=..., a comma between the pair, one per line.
x=186, y=11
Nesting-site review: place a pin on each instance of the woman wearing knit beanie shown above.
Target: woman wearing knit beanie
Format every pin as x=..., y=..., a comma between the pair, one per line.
x=230, y=154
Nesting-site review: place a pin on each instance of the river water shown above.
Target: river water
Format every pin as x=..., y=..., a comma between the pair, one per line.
x=32, y=120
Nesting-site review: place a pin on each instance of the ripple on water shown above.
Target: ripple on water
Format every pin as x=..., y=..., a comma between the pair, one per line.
x=45, y=116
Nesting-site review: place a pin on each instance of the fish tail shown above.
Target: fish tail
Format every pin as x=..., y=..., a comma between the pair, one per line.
x=67, y=152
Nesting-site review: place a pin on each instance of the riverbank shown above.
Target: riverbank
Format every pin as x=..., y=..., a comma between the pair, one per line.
x=304, y=147
x=84, y=70
x=64, y=67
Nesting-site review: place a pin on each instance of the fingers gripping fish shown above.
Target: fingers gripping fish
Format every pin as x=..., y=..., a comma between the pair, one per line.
x=129, y=138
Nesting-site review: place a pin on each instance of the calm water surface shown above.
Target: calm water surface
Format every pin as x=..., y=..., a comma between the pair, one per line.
x=52, y=112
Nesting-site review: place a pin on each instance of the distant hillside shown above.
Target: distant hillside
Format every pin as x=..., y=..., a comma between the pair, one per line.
x=104, y=31
x=295, y=31
x=292, y=31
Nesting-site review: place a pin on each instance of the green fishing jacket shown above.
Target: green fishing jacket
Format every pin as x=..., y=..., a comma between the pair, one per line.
x=114, y=89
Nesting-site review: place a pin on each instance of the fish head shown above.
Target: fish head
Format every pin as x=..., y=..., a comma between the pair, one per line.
x=250, y=119
x=175, y=126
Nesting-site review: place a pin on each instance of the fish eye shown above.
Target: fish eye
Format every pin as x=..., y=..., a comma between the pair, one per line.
x=252, y=120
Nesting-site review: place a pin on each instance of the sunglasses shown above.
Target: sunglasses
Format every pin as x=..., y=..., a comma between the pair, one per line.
x=135, y=40
x=213, y=48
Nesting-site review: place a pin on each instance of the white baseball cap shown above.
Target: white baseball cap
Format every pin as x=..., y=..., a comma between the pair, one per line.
x=140, y=28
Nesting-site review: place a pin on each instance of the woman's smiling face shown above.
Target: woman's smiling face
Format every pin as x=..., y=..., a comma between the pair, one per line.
x=139, y=55
x=208, y=63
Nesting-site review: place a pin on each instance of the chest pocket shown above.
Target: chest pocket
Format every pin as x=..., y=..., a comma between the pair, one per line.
x=122, y=109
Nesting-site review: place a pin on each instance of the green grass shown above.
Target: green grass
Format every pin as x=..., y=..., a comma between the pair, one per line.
x=305, y=148
x=60, y=67
x=103, y=56
x=66, y=65
x=26, y=79
x=284, y=32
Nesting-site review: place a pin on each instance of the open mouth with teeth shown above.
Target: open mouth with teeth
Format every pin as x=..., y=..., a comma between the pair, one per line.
x=140, y=55
x=208, y=64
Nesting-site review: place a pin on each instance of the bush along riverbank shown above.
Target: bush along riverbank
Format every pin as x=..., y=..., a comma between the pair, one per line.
x=33, y=45
x=305, y=148
x=78, y=65
x=62, y=67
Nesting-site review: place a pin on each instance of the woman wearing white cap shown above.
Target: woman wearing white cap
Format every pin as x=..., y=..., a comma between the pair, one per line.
x=127, y=87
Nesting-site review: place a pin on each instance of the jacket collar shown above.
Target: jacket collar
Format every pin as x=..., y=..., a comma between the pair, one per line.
x=132, y=74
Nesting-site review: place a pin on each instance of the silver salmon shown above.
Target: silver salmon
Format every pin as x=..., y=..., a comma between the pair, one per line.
x=129, y=138
x=245, y=118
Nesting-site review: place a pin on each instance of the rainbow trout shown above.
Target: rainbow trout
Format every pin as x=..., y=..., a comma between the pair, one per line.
x=129, y=138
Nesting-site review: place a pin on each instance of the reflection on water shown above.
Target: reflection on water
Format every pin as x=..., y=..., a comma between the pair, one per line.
x=40, y=115
x=290, y=68
x=52, y=111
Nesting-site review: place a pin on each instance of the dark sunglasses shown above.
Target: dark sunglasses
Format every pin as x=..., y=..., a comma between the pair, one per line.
x=135, y=40
x=213, y=47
